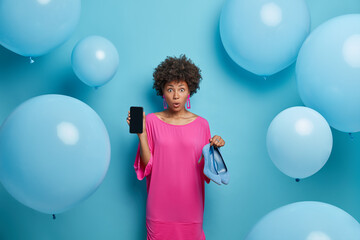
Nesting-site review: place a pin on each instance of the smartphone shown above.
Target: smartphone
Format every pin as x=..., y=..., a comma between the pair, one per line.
x=136, y=119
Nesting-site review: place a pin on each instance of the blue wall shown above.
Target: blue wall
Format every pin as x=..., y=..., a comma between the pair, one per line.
x=238, y=105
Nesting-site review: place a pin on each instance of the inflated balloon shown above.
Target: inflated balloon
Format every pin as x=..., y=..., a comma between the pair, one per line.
x=306, y=221
x=328, y=72
x=263, y=36
x=54, y=153
x=34, y=27
x=299, y=141
x=95, y=60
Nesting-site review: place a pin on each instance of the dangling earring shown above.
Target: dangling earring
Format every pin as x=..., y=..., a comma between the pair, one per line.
x=164, y=103
x=188, y=102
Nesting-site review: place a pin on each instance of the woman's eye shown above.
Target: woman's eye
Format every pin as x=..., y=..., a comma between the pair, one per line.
x=169, y=90
x=182, y=90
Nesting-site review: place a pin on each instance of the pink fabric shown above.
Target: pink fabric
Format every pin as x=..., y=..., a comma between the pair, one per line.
x=174, y=179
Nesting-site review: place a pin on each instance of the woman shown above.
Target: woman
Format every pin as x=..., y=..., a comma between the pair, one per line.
x=168, y=153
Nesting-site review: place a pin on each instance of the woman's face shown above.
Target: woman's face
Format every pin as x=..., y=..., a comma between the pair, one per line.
x=175, y=94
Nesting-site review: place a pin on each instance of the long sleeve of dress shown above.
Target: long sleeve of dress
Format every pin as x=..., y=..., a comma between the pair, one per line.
x=140, y=172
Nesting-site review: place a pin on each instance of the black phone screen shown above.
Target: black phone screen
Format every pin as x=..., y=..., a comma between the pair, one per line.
x=136, y=119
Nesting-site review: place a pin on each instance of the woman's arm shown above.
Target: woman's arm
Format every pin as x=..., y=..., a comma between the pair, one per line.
x=144, y=149
x=145, y=153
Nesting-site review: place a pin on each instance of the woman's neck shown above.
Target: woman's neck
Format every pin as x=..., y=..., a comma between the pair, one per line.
x=176, y=114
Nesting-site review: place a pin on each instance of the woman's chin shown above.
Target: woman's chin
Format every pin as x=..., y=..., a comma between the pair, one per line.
x=176, y=109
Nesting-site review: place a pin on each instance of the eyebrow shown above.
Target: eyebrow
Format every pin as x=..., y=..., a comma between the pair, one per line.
x=173, y=85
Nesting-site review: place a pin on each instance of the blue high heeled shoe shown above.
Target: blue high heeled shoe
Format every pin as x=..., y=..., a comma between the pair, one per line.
x=220, y=168
x=209, y=165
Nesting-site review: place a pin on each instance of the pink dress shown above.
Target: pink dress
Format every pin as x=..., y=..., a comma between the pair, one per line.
x=174, y=179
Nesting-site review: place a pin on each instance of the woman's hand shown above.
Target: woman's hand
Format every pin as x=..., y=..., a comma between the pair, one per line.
x=216, y=141
x=145, y=153
x=144, y=122
x=128, y=118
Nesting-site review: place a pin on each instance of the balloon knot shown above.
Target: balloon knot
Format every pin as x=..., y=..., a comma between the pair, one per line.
x=31, y=60
x=297, y=180
x=54, y=217
x=351, y=136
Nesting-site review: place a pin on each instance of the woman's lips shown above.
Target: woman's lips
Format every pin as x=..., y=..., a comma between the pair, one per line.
x=176, y=105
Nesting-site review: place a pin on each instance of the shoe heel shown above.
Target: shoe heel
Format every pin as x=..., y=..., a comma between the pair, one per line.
x=221, y=166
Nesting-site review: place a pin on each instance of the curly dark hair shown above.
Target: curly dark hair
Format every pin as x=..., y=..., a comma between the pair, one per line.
x=177, y=69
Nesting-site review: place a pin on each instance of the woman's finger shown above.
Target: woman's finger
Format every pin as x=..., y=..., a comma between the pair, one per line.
x=218, y=141
x=214, y=141
x=128, y=118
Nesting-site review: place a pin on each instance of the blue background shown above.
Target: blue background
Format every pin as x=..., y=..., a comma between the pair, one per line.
x=238, y=105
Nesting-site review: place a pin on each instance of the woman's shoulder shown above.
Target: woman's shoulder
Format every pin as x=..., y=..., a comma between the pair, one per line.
x=150, y=114
x=203, y=120
x=200, y=119
x=155, y=115
x=150, y=118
